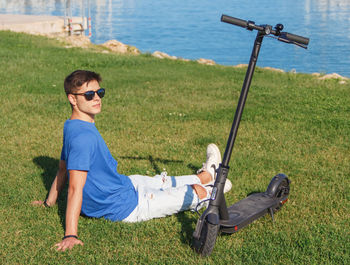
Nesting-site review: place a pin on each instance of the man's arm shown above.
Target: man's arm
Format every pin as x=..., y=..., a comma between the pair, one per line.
x=57, y=185
x=75, y=197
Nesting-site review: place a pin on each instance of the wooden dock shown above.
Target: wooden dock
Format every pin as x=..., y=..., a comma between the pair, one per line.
x=41, y=25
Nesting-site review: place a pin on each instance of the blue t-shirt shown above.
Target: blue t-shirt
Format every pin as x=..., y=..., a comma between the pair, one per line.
x=106, y=193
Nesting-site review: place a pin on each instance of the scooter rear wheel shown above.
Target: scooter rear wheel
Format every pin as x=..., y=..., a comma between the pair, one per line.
x=283, y=189
x=282, y=192
x=206, y=242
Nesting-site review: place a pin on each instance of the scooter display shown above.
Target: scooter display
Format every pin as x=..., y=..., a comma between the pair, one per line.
x=218, y=217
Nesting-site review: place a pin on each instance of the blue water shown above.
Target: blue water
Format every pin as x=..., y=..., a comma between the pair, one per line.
x=192, y=29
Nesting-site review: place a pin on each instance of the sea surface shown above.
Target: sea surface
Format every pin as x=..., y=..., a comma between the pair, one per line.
x=192, y=29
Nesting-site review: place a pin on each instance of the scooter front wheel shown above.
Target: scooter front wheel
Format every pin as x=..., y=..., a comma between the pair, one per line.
x=206, y=242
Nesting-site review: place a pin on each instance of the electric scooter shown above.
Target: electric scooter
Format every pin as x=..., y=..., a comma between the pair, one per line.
x=218, y=217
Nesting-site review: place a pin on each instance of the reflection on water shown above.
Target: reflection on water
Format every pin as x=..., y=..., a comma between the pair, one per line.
x=192, y=29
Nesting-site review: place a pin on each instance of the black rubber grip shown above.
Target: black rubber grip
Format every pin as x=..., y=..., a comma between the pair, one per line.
x=235, y=21
x=297, y=38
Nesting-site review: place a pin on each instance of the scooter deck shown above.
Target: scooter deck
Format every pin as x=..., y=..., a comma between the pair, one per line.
x=247, y=210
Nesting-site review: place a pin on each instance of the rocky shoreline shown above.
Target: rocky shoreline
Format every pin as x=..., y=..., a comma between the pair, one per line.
x=114, y=46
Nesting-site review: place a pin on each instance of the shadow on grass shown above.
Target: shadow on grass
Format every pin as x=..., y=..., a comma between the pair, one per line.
x=187, y=220
x=153, y=161
x=194, y=168
x=50, y=167
x=254, y=192
x=187, y=229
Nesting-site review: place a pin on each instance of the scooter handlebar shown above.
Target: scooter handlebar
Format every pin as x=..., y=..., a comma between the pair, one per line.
x=234, y=21
x=296, y=38
x=282, y=36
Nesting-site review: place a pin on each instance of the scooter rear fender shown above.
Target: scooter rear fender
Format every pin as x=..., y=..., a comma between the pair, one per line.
x=274, y=183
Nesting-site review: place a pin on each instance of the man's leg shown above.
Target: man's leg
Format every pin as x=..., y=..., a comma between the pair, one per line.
x=162, y=195
x=155, y=203
x=201, y=191
x=164, y=181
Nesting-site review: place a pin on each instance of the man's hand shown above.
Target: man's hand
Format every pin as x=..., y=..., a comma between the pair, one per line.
x=38, y=203
x=69, y=243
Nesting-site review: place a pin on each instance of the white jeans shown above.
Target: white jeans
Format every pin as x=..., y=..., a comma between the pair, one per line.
x=162, y=195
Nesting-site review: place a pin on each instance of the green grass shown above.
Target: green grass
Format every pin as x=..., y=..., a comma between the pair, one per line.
x=161, y=114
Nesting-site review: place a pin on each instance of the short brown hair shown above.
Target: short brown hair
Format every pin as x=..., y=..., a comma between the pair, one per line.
x=78, y=78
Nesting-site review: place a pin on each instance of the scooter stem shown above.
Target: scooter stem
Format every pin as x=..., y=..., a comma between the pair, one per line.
x=242, y=98
x=219, y=199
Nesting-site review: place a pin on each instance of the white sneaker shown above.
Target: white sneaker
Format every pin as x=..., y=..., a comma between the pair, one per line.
x=213, y=160
x=212, y=164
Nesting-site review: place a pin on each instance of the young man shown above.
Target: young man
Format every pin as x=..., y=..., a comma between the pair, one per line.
x=96, y=189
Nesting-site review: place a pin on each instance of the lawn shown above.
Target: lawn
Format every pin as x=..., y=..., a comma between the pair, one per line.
x=160, y=115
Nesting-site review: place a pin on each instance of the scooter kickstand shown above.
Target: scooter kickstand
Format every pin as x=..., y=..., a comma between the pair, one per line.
x=272, y=216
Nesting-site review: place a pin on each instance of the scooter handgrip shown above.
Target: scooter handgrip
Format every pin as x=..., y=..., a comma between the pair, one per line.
x=235, y=21
x=297, y=38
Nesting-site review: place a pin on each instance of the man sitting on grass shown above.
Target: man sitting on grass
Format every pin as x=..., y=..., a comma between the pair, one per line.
x=96, y=189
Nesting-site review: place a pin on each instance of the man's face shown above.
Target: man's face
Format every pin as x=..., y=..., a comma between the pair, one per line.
x=89, y=107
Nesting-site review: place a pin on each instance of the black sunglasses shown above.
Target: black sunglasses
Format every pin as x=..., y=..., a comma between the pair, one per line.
x=89, y=95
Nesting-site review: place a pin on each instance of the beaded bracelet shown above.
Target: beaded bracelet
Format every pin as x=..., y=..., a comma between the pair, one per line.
x=68, y=236
x=45, y=204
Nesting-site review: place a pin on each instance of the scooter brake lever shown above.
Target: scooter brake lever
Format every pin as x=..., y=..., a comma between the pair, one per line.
x=284, y=39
